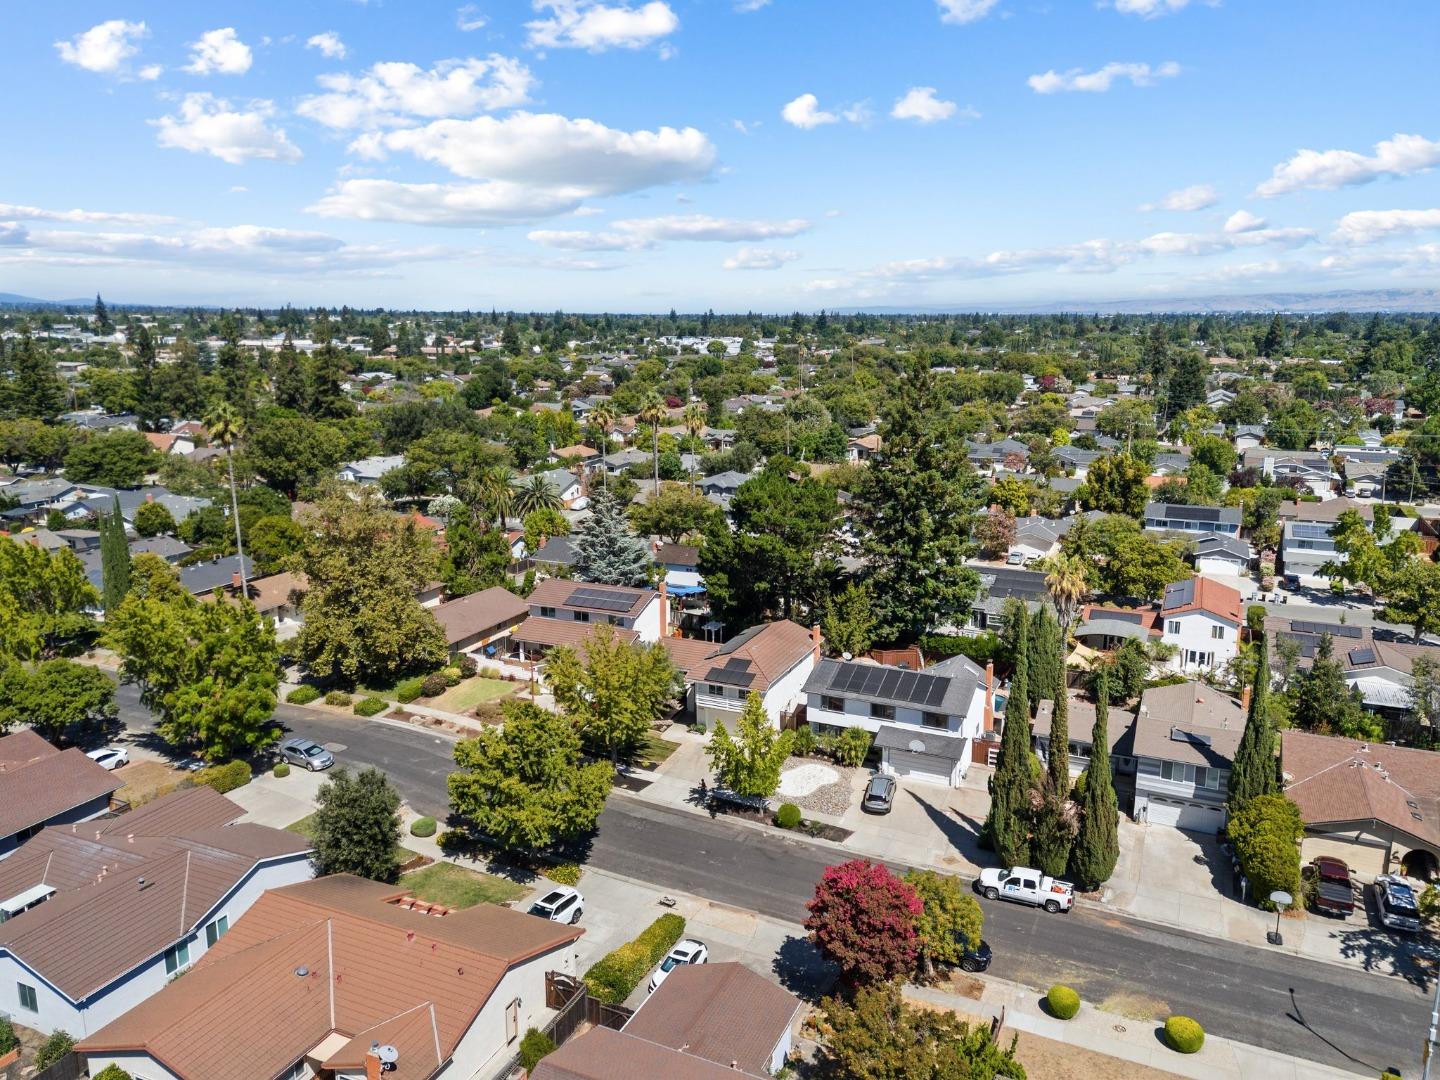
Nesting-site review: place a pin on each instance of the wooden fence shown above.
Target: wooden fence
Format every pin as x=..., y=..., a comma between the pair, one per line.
x=574, y=1007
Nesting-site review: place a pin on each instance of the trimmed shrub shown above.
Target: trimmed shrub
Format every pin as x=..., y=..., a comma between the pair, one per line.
x=407, y=690
x=617, y=973
x=303, y=695
x=433, y=685
x=804, y=744
x=53, y=1049
x=466, y=665
x=223, y=778
x=1064, y=1002
x=699, y=727
x=112, y=1072
x=788, y=816
x=8, y=1039
x=980, y=648
x=281, y=770
x=534, y=1046
x=567, y=873
x=370, y=706
x=490, y=673
x=337, y=697
x=1255, y=617
x=852, y=746
x=1184, y=1035
x=452, y=840
x=452, y=675
x=424, y=826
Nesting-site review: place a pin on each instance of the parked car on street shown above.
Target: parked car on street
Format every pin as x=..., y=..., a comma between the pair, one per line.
x=1334, y=889
x=1395, y=902
x=1026, y=886
x=688, y=951
x=109, y=757
x=976, y=959
x=306, y=753
x=561, y=904
x=879, y=795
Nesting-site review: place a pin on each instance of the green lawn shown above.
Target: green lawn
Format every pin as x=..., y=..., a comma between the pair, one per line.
x=457, y=887
x=471, y=692
x=306, y=828
x=653, y=751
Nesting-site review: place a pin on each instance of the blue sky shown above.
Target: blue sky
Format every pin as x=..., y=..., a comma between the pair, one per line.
x=632, y=155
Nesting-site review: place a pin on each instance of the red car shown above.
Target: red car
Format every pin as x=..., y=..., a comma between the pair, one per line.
x=1334, y=891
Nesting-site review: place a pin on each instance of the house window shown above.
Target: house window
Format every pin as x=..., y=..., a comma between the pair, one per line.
x=1207, y=778
x=935, y=720
x=27, y=998
x=512, y=1021
x=714, y=691
x=740, y=693
x=882, y=712
x=177, y=958
x=1174, y=626
x=216, y=930
x=1217, y=632
x=295, y=1072
x=547, y=612
x=833, y=704
x=580, y=616
x=1177, y=772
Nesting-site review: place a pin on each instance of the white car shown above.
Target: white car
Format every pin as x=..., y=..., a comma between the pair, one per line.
x=561, y=904
x=1026, y=886
x=109, y=757
x=688, y=951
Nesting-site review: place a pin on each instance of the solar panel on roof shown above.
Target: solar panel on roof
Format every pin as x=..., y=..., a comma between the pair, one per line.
x=873, y=678
x=603, y=601
x=1308, y=643
x=905, y=688
x=1362, y=656
x=889, y=683
x=1333, y=629
x=1194, y=738
x=936, y=693
x=1126, y=616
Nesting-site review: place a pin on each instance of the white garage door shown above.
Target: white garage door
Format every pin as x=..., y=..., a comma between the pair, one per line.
x=1191, y=817
x=924, y=767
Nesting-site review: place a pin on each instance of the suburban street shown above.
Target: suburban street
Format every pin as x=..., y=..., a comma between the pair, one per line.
x=1304, y=1008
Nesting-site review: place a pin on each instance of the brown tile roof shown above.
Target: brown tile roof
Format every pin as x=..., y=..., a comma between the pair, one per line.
x=1168, y=711
x=557, y=592
x=678, y=554
x=577, y=452
x=478, y=612
x=1335, y=780
x=200, y=807
x=369, y=966
x=1210, y=596
x=722, y=1012
x=690, y=655
x=547, y=632
x=1080, y=719
x=39, y=782
x=768, y=651
x=603, y=1054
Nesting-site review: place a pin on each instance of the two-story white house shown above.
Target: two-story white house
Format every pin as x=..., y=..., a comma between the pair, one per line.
x=1202, y=520
x=1201, y=618
x=924, y=722
x=111, y=911
x=564, y=612
x=1184, y=742
x=773, y=660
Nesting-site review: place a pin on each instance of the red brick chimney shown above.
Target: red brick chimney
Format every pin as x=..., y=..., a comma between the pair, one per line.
x=989, y=695
x=235, y=581
x=664, y=611
x=1245, y=699
x=372, y=1062
x=815, y=642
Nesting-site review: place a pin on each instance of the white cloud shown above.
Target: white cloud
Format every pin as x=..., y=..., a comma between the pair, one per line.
x=964, y=11
x=747, y=6
x=636, y=234
x=1360, y=226
x=1172, y=243
x=14, y=212
x=329, y=44
x=753, y=258
x=1194, y=197
x=209, y=125
x=150, y=72
x=805, y=112
x=219, y=52
x=1149, y=9
x=1097, y=82
x=105, y=47
x=390, y=93
x=1326, y=170
x=921, y=104
x=597, y=26
x=468, y=18
x=494, y=203
x=1243, y=221
x=238, y=189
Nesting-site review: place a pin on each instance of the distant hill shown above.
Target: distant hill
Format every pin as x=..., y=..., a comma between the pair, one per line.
x=1388, y=300
x=31, y=301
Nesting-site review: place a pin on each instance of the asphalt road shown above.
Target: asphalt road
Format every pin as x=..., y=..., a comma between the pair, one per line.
x=1322, y=1012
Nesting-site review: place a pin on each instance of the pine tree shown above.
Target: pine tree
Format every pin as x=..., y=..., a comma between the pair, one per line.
x=36, y=390
x=1253, y=771
x=114, y=559
x=1059, y=755
x=1325, y=704
x=606, y=551
x=1007, y=826
x=287, y=380
x=1044, y=663
x=1097, y=848
x=148, y=408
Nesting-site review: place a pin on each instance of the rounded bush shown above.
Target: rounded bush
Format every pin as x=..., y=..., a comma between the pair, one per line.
x=424, y=826
x=804, y=744
x=370, y=706
x=1064, y=1002
x=1184, y=1034
x=788, y=816
x=452, y=675
x=466, y=665
x=303, y=695
x=8, y=1039
x=226, y=777
x=337, y=697
x=534, y=1046
x=112, y=1072
x=407, y=690
x=452, y=840
x=434, y=685
x=564, y=874
x=490, y=673
x=53, y=1049
x=699, y=727
x=281, y=770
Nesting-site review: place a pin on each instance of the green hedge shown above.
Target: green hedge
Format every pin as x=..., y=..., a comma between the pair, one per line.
x=534, y=1046
x=1064, y=1002
x=788, y=816
x=370, y=706
x=53, y=1049
x=8, y=1039
x=980, y=648
x=303, y=695
x=112, y=1072
x=282, y=769
x=407, y=690
x=424, y=826
x=566, y=873
x=337, y=697
x=1184, y=1035
x=616, y=974
x=225, y=778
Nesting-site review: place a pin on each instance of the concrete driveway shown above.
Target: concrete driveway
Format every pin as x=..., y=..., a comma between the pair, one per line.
x=929, y=825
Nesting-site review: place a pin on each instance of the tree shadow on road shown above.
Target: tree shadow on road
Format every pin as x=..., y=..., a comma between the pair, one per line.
x=962, y=831
x=799, y=967
x=1413, y=958
x=1297, y=1014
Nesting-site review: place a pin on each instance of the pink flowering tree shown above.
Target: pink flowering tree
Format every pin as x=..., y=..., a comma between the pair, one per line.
x=865, y=919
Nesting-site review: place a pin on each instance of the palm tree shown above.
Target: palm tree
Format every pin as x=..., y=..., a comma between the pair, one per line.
x=536, y=494
x=694, y=421
x=603, y=417
x=495, y=491
x=225, y=428
x=652, y=412
x=1066, y=579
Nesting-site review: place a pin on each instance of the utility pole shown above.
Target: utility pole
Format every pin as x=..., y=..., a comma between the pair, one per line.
x=1431, y=1037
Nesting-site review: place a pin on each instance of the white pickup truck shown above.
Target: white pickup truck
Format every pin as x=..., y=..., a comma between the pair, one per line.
x=1027, y=886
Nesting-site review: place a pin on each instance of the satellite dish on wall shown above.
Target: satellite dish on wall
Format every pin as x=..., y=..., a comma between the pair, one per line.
x=388, y=1055
x=916, y=746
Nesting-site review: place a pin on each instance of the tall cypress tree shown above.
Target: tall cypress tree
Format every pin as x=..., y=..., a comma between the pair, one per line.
x=1253, y=771
x=1097, y=848
x=114, y=559
x=1007, y=827
x=1046, y=666
x=1059, y=756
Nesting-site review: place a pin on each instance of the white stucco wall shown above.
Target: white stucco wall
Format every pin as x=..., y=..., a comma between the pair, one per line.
x=139, y=1066
x=1195, y=633
x=484, y=1045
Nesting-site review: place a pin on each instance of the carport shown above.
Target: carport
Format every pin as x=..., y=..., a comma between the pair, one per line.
x=922, y=755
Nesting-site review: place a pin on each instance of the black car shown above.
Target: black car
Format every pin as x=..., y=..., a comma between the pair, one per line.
x=976, y=959
x=879, y=795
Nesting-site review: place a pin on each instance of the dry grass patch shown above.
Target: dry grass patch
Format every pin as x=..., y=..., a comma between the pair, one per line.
x=148, y=780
